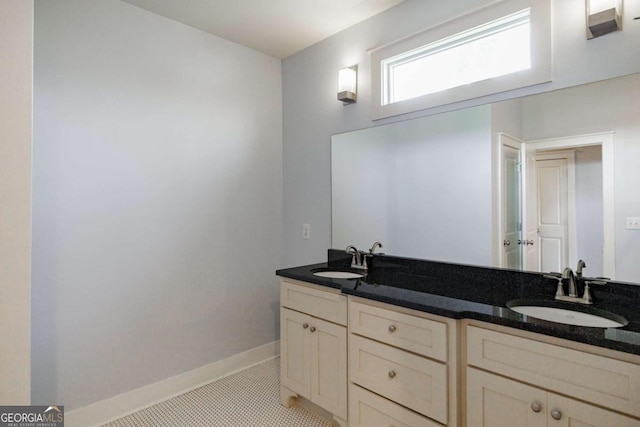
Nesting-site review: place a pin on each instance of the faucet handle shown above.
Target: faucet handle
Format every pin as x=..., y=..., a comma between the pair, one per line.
x=355, y=255
x=581, y=265
x=586, y=297
x=558, y=277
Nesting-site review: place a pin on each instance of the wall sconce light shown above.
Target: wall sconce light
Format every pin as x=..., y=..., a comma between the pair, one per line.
x=348, y=85
x=603, y=17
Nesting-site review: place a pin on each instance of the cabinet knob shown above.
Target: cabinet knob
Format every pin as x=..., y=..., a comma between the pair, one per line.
x=305, y=325
x=392, y=328
x=313, y=329
x=536, y=406
x=556, y=414
x=392, y=374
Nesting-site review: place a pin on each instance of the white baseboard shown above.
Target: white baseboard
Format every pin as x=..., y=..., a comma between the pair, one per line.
x=107, y=410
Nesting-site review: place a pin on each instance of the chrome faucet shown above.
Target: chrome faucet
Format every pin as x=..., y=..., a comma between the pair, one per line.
x=571, y=278
x=373, y=248
x=581, y=265
x=357, y=259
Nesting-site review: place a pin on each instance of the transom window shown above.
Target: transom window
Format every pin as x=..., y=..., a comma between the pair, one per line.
x=491, y=50
x=503, y=46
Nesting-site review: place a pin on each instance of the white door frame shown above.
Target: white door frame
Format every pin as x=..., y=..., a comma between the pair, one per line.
x=510, y=141
x=16, y=138
x=605, y=140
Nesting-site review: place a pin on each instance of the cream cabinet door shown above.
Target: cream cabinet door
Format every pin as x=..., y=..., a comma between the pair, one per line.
x=295, y=350
x=493, y=401
x=313, y=360
x=564, y=412
x=328, y=366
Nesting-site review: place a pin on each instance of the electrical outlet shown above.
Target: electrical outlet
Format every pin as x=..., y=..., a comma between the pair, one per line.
x=306, y=231
x=633, y=223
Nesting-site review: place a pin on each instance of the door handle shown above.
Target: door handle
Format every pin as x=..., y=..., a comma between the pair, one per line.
x=506, y=242
x=522, y=242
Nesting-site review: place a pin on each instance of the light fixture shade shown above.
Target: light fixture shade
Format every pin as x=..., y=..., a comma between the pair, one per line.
x=603, y=17
x=348, y=85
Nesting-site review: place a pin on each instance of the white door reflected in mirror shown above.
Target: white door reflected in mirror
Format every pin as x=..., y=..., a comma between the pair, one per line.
x=559, y=187
x=511, y=196
x=570, y=202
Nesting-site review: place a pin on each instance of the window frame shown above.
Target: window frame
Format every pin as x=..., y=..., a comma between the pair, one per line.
x=541, y=58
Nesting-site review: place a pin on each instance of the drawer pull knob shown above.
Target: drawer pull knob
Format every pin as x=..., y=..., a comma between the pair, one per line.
x=556, y=414
x=392, y=328
x=536, y=406
x=313, y=329
x=305, y=325
x=392, y=374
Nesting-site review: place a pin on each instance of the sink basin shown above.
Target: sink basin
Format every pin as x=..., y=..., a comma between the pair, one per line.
x=568, y=314
x=336, y=274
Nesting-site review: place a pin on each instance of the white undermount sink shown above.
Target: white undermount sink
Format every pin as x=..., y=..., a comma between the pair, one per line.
x=336, y=274
x=579, y=316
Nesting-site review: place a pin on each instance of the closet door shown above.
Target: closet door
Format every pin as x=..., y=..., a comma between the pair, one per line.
x=494, y=401
x=294, y=351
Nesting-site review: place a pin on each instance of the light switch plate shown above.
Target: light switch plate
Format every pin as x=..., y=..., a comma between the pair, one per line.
x=633, y=223
x=306, y=231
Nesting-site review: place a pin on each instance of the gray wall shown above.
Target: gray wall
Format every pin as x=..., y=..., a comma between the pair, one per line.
x=362, y=184
x=443, y=163
x=589, y=208
x=312, y=114
x=403, y=184
x=157, y=199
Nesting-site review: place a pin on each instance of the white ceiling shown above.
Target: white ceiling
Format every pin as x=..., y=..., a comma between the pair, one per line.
x=278, y=28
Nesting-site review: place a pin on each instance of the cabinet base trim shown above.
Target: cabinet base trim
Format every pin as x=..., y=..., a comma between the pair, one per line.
x=289, y=398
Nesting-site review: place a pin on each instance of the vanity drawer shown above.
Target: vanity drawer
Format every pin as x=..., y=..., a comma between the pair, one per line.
x=370, y=410
x=326, y=304
x=600, y=380
x=416, y=334
x=408, y=379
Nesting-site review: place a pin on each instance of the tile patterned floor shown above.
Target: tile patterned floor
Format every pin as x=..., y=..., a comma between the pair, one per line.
x=250, y=398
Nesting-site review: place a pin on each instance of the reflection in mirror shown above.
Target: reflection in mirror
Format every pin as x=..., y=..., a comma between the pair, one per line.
x=430, y=187
x=551, y=198
x=569, y=203
x=421, y=187
x=510, y=204
x=560, y=186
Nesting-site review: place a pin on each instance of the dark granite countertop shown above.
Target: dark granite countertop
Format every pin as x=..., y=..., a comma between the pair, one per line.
x=461, y=291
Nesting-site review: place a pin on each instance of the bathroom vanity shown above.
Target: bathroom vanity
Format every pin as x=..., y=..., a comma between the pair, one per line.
x=313, y=346
x=419, y=343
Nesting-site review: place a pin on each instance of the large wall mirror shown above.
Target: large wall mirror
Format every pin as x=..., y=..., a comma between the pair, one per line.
x=556, y=175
